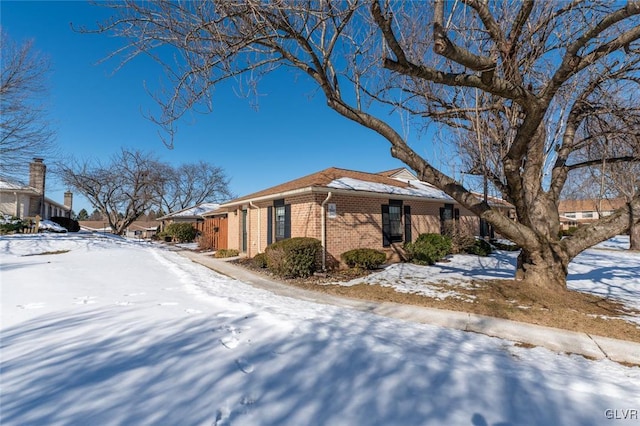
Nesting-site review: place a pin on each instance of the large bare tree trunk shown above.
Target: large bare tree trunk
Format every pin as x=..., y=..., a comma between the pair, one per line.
x=634, y=231
x=546, y=268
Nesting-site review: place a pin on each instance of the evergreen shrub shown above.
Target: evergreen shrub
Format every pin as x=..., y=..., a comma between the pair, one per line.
x=181, y=232
x=479, y=248
x=10, y=225
x=69, y=224
x=506, y=246
x=260, y=260
x=294, y=257
x=226, y=253
x=364, y=258
x=427, y=249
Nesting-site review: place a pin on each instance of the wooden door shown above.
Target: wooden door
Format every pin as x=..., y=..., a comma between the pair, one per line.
x=214, y=235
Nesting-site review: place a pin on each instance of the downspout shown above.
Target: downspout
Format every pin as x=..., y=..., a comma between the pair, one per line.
x=323, y=230
x=259, y=227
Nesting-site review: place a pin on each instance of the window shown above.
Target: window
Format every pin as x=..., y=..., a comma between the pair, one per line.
x=395, y=222
x=571, y=215
x=278, y=221
x=587, y=215
x=391, y=223
x=449, y=218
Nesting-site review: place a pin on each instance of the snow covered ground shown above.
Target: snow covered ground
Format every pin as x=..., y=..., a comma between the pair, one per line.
x=113, y=332
x=606, y=270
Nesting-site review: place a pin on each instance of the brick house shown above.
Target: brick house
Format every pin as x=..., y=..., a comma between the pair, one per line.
x=577, y=212
x=27, y=201
x=344, y=209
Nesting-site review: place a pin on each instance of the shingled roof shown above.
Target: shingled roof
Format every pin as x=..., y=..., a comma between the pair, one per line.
x=321, y=179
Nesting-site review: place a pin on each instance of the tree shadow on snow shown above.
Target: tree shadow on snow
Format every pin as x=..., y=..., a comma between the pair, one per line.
x=344, y=368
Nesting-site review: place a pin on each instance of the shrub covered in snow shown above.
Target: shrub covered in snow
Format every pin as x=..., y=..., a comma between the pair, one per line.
x=364, y=258
x=427, y=249
x=10, y=224
x=294, y=257
x=49, y=226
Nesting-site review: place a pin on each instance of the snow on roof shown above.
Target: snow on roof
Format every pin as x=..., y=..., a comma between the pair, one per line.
x=5, y=184
x=416, y=188
x=197, y=210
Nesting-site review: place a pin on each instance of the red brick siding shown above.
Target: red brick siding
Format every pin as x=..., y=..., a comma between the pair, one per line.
x=358, y=223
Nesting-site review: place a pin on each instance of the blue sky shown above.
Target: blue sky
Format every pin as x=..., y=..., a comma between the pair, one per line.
x=96, y=111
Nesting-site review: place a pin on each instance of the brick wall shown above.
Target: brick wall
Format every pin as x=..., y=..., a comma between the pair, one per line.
x=358, y=223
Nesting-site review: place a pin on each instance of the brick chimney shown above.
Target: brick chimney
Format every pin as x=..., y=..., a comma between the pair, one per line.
x=68, y=201
x=37, y=172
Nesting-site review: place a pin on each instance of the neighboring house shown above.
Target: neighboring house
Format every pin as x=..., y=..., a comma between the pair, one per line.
x=577, y=212
x=142, y=229
x=139, y=229
x=193, y=215
x=25, y=201
x=344, y=209
x=101, y=226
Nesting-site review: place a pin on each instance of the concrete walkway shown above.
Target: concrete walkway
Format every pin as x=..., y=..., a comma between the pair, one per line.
x=557, y=340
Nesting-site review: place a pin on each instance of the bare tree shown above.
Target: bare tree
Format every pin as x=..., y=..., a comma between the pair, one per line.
x=616, y=180
x=532, y=71
x=190, y=184
x=122, y=190
x=24, y=129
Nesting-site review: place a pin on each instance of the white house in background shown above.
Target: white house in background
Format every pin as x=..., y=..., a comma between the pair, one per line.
x=20, y=200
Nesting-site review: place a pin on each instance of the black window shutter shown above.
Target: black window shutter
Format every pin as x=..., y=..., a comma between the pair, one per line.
x=287, y=221
x=407, y=224
x=456, y=214
x=269, y=225
x=386, y=238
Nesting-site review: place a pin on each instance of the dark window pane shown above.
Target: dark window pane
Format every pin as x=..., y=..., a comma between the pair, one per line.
x=280, y=222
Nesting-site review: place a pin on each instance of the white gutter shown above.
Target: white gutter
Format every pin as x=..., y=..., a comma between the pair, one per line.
x=259, y=230
x=323, y=229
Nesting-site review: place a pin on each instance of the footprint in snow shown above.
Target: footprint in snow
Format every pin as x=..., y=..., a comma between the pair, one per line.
x=222, y=417
x=244, y=365
x=124, y=303
x=84, y=300
x=167, y=303
x=192, y=311
x=31, y=306
x=135, y=294
x=229, y=342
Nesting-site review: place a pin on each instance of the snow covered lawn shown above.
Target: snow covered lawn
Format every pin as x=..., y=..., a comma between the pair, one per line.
x=113, y=332
x=605, y=270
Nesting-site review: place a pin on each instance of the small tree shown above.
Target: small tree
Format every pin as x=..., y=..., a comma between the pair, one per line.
x=24, y=127
x=190, y=184
x=121, y=190
x=83, y=215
